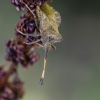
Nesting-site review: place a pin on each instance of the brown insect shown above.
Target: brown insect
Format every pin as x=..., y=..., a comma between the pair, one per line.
x=47, y=21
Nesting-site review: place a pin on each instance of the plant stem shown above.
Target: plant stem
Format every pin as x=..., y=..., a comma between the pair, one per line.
x=10, y=71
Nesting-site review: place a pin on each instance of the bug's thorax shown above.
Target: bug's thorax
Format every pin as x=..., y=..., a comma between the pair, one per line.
x=49, y=39
x=58, y=38
x=48, y=25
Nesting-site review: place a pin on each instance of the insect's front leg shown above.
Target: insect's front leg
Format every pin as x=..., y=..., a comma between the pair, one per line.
x=32, y=42
x=23, y=33
x=53, y=47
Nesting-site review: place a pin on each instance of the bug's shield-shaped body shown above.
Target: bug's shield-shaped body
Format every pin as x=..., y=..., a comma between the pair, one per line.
x=48, y=22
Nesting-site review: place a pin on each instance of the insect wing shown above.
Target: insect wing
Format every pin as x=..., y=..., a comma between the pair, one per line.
x=57, y=17
x=43, y=20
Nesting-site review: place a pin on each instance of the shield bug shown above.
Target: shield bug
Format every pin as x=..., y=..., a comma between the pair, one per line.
x=47, y=21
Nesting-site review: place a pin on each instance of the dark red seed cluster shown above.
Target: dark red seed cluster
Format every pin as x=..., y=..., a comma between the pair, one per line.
x=2, y=72
x=19, y=4
x=19, y=52
x=26, y=24
x=11, y=90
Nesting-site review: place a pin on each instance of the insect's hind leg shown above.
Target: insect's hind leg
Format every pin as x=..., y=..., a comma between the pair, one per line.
x=23, y=33
x=32, y=42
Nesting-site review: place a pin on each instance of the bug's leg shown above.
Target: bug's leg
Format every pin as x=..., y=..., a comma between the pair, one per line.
x=45, y=59
x=23, y=33
x=40, y=45
x=36, y=42
x=42, y=76
x=33, y=42
x=53, y=47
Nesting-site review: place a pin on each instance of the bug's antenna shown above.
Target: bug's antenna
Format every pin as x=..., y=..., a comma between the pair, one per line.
x=45, y=59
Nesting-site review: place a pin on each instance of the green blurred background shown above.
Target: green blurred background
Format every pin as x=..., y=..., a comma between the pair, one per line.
x=73, y=70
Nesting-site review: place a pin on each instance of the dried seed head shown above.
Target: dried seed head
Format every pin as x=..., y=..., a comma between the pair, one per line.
x=12, y=91
x=19, y=52
x=2, y=72
x=31, y=3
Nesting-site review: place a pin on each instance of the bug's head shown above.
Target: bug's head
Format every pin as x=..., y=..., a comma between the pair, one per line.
x=54, y=38
x=50, y=39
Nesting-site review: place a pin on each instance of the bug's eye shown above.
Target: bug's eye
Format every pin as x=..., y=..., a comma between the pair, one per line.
x=51, y=38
